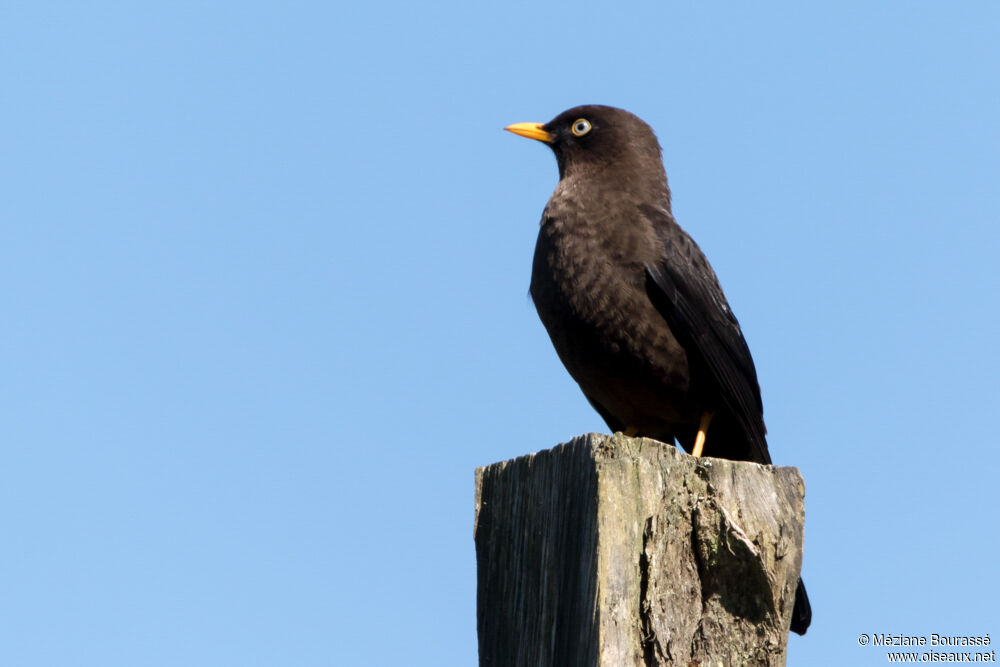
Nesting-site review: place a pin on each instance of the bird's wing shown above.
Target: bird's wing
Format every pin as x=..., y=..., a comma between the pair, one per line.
x=684, y=288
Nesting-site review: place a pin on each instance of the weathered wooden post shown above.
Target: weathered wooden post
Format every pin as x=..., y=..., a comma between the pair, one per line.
x=613, y=551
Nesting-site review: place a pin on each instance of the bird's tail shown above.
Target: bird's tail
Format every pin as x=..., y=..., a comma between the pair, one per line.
x=801, y=613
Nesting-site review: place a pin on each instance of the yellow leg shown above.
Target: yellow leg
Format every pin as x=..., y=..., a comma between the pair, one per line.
x=631, y=431
x=699, y=440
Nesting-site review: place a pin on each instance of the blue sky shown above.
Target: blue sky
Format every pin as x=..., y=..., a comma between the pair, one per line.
x=264, y=270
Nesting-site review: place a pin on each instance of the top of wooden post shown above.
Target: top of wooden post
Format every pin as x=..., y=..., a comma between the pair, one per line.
x=610, y=550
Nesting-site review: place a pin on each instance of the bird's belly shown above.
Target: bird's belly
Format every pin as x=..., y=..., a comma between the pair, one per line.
x=614, y=343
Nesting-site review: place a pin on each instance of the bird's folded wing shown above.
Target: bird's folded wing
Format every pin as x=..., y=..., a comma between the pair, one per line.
x=685, y=290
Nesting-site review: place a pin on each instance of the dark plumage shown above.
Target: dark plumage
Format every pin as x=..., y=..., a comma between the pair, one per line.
x=630, y=302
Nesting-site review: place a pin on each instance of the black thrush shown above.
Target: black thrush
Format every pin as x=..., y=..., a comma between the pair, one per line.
x=632, y=305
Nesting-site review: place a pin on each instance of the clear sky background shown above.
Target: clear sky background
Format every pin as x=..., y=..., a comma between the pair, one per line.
x=263, y=306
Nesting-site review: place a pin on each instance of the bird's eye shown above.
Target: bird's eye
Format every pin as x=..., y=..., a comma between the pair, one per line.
x=580, y=127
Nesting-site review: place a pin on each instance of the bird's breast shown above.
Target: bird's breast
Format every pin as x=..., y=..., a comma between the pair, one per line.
x=589, y=261
x=588, y=284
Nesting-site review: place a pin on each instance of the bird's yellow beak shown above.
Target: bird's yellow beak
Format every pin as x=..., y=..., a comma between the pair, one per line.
x=532, y=131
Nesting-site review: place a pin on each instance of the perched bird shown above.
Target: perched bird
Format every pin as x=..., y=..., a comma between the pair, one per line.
x=632, y=305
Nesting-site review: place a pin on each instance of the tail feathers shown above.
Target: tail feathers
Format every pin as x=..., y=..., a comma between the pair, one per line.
x=801, y=613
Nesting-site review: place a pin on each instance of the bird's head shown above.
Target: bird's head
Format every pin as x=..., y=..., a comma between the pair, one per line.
x=598, y=140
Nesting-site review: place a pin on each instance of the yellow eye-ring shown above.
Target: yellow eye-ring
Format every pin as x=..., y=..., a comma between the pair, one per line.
x=580, y=127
